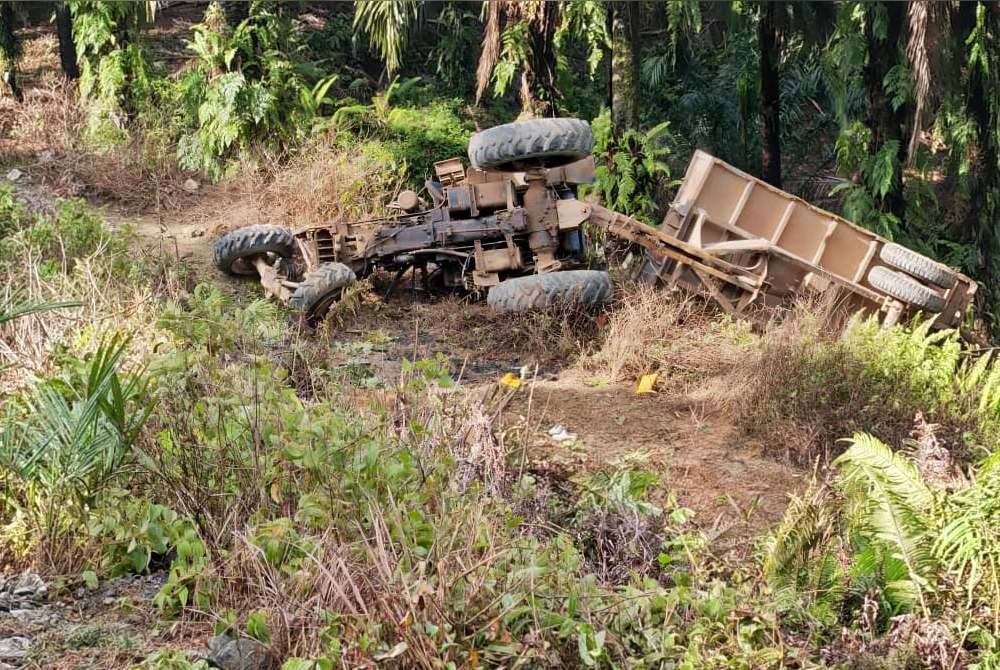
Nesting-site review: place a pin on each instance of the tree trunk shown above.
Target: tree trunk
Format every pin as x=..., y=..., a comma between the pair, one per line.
x=887, y=125
x=769, y=42
x=624, y=66
x=9, y=50
x=984, y=199
x=539, y=95
x=67, y=47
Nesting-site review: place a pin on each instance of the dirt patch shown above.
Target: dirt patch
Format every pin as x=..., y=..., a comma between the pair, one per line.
x=730, y=483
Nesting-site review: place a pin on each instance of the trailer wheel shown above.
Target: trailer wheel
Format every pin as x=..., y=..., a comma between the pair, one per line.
x=320, y=288
x=917, y=265
x=231, y=250
x=533, y=143
x=587, y=288
x=904, y=288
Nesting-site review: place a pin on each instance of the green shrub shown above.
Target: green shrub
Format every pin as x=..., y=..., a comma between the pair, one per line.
x=114, y=77
x=632, y=168
x=245, y=90
x=871, y=379
x=75, y=231
x=415, y=132
x=61, y=445
x=13, y=216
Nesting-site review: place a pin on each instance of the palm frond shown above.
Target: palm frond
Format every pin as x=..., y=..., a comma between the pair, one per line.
x=387, y=24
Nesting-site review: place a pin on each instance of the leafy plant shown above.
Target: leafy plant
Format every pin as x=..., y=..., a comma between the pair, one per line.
x=632, y=169
x=245, y=90
x=114, y=75
x=63, y=443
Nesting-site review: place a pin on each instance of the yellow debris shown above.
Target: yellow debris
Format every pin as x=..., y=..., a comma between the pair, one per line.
x=511, y=380
x=647, y=383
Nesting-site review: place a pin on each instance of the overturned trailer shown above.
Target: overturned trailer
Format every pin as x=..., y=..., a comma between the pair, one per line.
x=747, y=244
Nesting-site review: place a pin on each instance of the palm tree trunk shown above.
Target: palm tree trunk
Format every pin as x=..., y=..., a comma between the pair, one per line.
x=985, y=194
x=67, y=47
x=887, y=124
x=10, y=50
x=539, y=95
x=769, y=43
x=624, y=66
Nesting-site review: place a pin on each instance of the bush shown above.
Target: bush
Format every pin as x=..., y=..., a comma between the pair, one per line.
x=873, y=379
x=75, y=231
x=13, y=216
x=245, y=91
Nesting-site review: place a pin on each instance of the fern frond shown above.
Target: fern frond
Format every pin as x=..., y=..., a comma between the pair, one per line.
x=894, y=505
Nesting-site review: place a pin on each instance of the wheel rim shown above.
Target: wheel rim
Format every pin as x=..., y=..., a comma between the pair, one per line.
x=322, y=306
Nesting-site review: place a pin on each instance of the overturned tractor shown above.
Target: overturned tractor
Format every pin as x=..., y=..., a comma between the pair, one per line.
x=511, y=225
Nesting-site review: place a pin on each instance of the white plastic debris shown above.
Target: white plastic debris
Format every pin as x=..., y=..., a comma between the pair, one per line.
x=14, y=175
x=559, y=433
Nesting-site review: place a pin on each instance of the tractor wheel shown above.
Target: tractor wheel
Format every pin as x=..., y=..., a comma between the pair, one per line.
x=320, y=288
x=587, y=288
x=917, y=265
x=534, y=143
x=232, y=249
x=904, y=288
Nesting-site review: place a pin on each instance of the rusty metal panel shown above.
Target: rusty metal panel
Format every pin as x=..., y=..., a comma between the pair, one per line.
x=571, y=213
x=450, y=172
x=490, y=195
x=577, y=172
x=458, y=199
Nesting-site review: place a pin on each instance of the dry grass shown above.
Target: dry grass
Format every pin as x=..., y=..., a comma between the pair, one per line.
x=107, y=305
x=43, y=139
x=651, y=330
x=44, y=126
x=322, y=182
x=802, y=390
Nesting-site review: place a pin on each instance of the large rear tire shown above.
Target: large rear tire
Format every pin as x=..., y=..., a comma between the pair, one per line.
x=232, y=250
x=904, y=288
x=320, y=289
x=917, y=265
x=530, y=144
x=586, y=288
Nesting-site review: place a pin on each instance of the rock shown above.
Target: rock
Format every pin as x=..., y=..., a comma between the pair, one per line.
x=242, y=653
x=14, y=648
x=26, y=585
x=190, y=185
x=14, y=175
x=33, y=616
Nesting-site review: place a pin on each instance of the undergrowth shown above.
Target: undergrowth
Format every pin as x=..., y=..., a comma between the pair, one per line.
x=400, y=524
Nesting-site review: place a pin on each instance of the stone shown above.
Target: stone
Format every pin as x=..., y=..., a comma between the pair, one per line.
x=27, y=584
x=190, y=185
x=14, y=648
x=241, y=653
x=32, y=616
x=14, y=174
